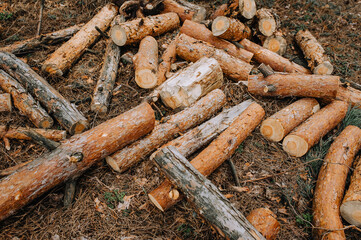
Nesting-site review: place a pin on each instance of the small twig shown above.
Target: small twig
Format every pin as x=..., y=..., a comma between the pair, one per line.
x=353, y=84
x=156, y=107
x=234, y=172
x=40, y=17
x=102, y=33
x=69, y=192
x=265, y=70
x=40, y=139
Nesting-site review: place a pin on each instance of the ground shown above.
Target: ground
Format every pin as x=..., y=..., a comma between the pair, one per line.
x=94, y=214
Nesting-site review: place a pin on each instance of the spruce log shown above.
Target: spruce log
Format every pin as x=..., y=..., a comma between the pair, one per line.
x=61, y=60
x=72, y=157
x=276, y=43
x=185, y=11
x=5, y=102
x=60, y=108
x=169, y=56
x=350, y=95
x=331, y=184
x=230, y=29
x=268, y=21
x=19, y=133
x=302, y=138
x=247, y=8
x=264, y=220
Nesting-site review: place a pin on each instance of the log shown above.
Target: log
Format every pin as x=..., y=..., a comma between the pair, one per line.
x=60, y=108
x=19, y=133
x=314, y=53
x=277, y=126
x=268, y=21
x=25, y=102
x=276, y=43
x=185, y=10
x=135, y=30
x=164, y=132
x=331, y=184
x=349, y=95
x=5, y=102
x=302, y=138
x=61, y=60
x=119, y=19
x=220, y=11
x=214, y=155
x=169, y=56
x=230, y=29
x=72, y=157
x=205, y=197
x=192, y=50
x=264, y=220
x=11, y=170
x=275, y=61
x=247, y=8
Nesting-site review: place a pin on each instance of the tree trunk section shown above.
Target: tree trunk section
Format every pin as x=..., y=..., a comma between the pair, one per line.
x=169, y=56
x=268, y=21
x=220, y=11
x=247, y=8
x=185, y=12
x=276, y=43
x=19, y=133
x=264, y=220
x=5, y=102
x=230, y=29
x=350, y=95
x=11, y=170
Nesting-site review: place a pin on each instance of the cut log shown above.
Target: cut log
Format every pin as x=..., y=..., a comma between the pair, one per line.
x=302, y=138
x=19, y=133
x=264, y=220
x=268, y=21
x=331, y=184
x=275, y=61
x=135, y=30
x=5, y=102
x=11, y=170
x=230, y=29
x=168, y=57
x=72, y=157
x=215, y=154
x=192, y=50
x=247, y=8
x=350, y=95
x=276, y=43
x=205, y=197
x=25, y=102
x=119, y=19
x=164, y=132
x=60, y=108
x=185, y=10
x=61, y=60
x=220, y=11
x=314, y=53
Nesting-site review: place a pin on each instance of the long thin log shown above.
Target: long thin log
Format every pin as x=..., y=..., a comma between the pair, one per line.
x=230, y=29
x=19, y=133
x=185, y=11
x=41, y=140
x=5, y=102
x=169, y=56
x=264, y=220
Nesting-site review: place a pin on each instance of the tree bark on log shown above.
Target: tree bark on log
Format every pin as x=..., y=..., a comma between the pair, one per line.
x=5, y=102
x=331, y=184
x=220, y=11
x=185, y=11
x=11, y=170
x=247, y=8
x=264, y=220
x=19, y=133
x=169, y=56
x=230, y=29
x=62, y=59
x=73, y=157
x=268, y=21
x=276, y=43
x=350, y=95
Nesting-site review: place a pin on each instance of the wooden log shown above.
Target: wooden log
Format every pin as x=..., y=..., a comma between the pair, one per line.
x=247, y=8
x=268, y=21
x=61, y=60
x=331, y=184
x=169, y=56
x=264, y=220
x=276, y=43
x=350, y=95
x=164, y=132
x=60, y=108
x=230, y=29
x=214, y=155
x=19, y=133
x=119, y=19
x=220, y=11
x=314, y=53
x=73, y=157
x=185, y=10
x=302, y=138
x=11, y=170
x=204, y=196
x=5, y=102
x=275, y=61
x=191, y=49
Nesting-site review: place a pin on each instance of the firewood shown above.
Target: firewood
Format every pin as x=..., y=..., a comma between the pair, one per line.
x=268, y=21
x=331, y=184
x=73, y=157
x=41, y=140
x=5, y=102
x=11, y=170
x=119, y=19
x=185, y=10
x=302, y=138
x=60, y=108
x=275, y=43
x=264, y=220
x=230, y=29
x=19, y=133
x=215, y=154
x=6, y=143
x=314, y=53
x=277, y=126
x=69, y=52
x=350, y=95
x=247, y=8
x=69, y=192
x=151, y=7
x=220, y=11
x=168, y=57
x=164, y=132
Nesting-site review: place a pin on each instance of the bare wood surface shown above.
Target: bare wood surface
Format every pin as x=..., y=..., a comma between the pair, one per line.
x=268, y=21
x=247, y=8
x=264, y=220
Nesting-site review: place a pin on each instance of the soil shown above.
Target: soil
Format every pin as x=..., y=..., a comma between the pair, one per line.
x=98, y=211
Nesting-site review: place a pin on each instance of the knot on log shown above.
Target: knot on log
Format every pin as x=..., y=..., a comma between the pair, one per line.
x=75, y=157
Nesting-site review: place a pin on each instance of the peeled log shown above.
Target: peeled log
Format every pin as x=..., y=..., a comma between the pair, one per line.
x=264, y=220
x=230, y=29
x=19, y=133
x=301, y=139
x=185, y=11
x=247, y=8
x=72, y=157
x=5, y=102
x=169, y=56
x=331, y=184
x=268, y=21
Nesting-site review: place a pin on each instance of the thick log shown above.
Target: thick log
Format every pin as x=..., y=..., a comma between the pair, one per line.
x=61, y=60
x=19, y=133
x=169, y=56
x=230, y=29
x=276, y=43
x=247, y=8
x=268, y=21
x=185, y=10
x=5, y=102
x=331, y=184
x=350, y=95
x=11, y=170
x=164, y=132
x=72, y=157
x=302, y=138
x=264, y=220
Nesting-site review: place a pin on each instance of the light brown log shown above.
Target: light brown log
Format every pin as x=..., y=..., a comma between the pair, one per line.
x=276, y=43
x=11, y=170
x=72, y=157
x=302, y=138
x=247, y=8
x=162, y=133
x=19, y=133
x=350, y=95
x=230, y=29
x=5, y=102
x=191, y=49
x=331, y=185
x=220, y=11
x=277, y=126
x=185, y=11
x=169, y=56
x=268, y=21
x=61, y=60
x=264, y=220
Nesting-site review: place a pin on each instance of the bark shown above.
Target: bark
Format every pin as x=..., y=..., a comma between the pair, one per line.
x=169, y=56
x=230, y=29
x=350, y=95
x=19, y=133
x=268, y=21
x=11, y=170
x=276, y=43
x=185, y=11
x=247, y=8
x=264, y=220
x=5, y=102
x=220, y=11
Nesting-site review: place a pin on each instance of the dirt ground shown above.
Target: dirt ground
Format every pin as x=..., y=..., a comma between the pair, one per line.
x=95, y=213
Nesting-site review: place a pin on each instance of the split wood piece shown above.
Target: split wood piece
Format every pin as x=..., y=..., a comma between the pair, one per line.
x=191, y=83
x=331, y=184
x=247, y=8
x=302, y=138
x=62, y=59
x=5, y=102
x=185, y=10
x=164, y=132
x=72, y=158
x=192, y=50
x=350, y=95
x=275, y=61
x=264, y=220
x=19, y=133
x=205, y=197
x=277, y=126
x=60, y=108
x=11, y=170
x=135, y=30
x=168, y=57
x=32, y=44
x=314, y=53
x=25, y=102
x=268, y=21
x=223, y=147
x=230, y=29
x=276, y=43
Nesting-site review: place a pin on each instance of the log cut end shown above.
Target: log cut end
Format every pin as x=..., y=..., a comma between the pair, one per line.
x=46, y=123
x=264, y=220
x=351, y=212
x=220, y=25
x=78, y=127
x=112, y=163
x=295, y=145
x=146, y=78
x=199, y=15
x=52, y=69
x=267, y=26
x=272, y=129
x=155, y=202
x=247, y=8
x=118, y=35
x=324, y=68
x=276, y=44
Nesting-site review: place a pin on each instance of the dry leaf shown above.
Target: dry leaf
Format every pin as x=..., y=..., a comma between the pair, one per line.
x=126, y=203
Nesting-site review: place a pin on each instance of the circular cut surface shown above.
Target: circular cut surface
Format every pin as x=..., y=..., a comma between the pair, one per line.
x=324, y=68
x=351, y=212
x=146, y=78
x=272, y=129
x=118, y=35
x=220, y=25
x=267, y=26
x=295, y=145
x=113, y=164
x=155, y=202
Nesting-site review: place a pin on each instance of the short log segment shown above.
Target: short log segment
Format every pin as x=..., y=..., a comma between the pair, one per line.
x=204, y=196
x=214, y=155
x=185, y=11
x=62, y=110
x=72, y=157
x=302, y=138
x=314, y=53
x=276, y=43
x=69, y=52
x=268, y=21
x=25, y=102
x=331, y=184
x=19, y=133
x=350, y=95
x=247, y=8
x=264, y=220
x=230, y=29
x=5, y=102
x=164, y=132
x=169, y=56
